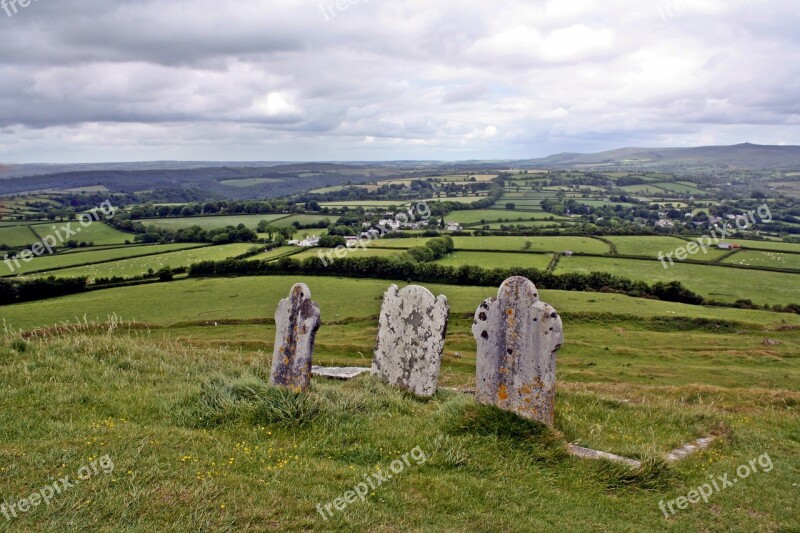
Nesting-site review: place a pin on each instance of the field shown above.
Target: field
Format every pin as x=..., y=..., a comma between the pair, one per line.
x=140, y=265
x=651, y=246
x=17, y=236
x=491, y=215
x=713, y=282
x=770, y=245
x=211, y=222
x=98, y=233
x=508, y=244
x=624, y=387
x=497, y=260
x=305, y=220
x=764, y=259
x=249, y=182
x=89, y=256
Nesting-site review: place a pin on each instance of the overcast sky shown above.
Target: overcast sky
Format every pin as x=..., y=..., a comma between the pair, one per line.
x=135, y=80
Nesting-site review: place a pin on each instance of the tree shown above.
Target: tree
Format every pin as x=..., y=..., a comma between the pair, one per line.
x=511, y=206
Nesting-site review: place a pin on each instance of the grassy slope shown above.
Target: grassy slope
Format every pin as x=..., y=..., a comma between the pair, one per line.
x=183, y=462
x=139, y=265
x=714, y=282
x=88, y=255
x=255, y=297
x=97, y=232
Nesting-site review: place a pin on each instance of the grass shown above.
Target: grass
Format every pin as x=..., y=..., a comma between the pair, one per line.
x=651, y=246
x=243, y=299
x=98, y=233
x=90, y=257
x=770, y=245
x=199, y=441
x=212, y=222
x=140, y=265
x=508, y=244
x=277, y=252
x=491, y=215
x=682, y=188
x=352, y=252
x=767, y=259
x=17, y=236
x=714, y=282
x=496, y=260
x=305, y=220
x=249, y=182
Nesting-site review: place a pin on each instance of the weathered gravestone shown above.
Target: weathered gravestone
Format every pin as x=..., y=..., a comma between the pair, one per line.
x=297, y=320
x=411, y=333
x=518, y=337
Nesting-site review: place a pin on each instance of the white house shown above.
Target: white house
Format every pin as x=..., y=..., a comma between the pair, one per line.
x=309, y=242
x=454, y=226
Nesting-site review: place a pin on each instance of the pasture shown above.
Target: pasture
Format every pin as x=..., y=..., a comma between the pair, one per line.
x=88, y=256
x=138, y=266
x=17, y=236
x=212, y=222
x=711, y=281
x=98, y=233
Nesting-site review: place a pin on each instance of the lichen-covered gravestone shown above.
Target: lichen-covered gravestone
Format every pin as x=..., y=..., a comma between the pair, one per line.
x=411, y=333
x=297, y=320
x=518, y=337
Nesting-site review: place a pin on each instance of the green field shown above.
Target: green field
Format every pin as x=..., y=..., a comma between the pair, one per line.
x=17, y=236
x=305, y=220
x=61, y=260
x=246, y=298
x=764, y=259
x=653, y=245
x=272, y=254
x=496, y=260
x=356, y=251
x=211, y=222
x=98, y=233
x=175, y=460
x=648, y=189
x=249, y=182
x=508, y=244
x=400, y=203
x=713, y=282
x=138, y=266
x=682, y=187
x=770, y=245
x=491, y=215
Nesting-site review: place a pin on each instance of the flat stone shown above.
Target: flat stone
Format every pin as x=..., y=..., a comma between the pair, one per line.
x=688, y=449
x=339, y=372
x=297, y=320
x=411, y=331
x=518, y=337
x=588, y=453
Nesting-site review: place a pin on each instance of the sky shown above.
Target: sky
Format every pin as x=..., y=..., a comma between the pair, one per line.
x=300, y=80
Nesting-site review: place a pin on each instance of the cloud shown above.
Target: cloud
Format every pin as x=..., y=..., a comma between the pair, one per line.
x=88, y=80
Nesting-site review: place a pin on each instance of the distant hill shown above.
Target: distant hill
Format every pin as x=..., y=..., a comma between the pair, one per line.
x=741, y=156
x=242, y=182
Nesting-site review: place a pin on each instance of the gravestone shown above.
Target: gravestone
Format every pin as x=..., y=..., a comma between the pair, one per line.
x=518, y=337
x=411, y=332
x=297, y=320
